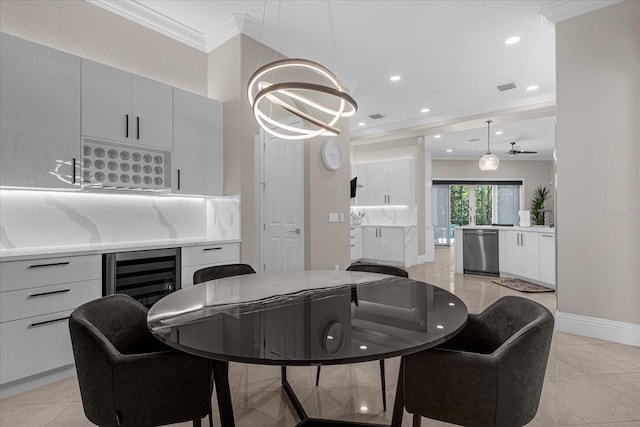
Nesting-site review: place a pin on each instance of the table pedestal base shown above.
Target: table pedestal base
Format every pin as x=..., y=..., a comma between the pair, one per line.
x=306, y=421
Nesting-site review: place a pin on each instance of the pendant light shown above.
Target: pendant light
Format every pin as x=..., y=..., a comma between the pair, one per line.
x=489, y=162
x=271, y=101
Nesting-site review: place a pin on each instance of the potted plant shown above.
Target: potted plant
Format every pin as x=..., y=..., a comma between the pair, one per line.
x=540, y=195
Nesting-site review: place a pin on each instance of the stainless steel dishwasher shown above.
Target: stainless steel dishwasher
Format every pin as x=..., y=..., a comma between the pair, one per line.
x=480, y=252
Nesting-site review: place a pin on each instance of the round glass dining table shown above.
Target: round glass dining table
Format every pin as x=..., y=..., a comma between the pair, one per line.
x=305, y=318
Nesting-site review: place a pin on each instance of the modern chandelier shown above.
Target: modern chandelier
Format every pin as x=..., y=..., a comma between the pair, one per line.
x=320, y=106
x=489, y=162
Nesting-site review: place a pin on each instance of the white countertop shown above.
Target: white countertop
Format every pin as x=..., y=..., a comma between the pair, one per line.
x=498, y=227
x=8, y=254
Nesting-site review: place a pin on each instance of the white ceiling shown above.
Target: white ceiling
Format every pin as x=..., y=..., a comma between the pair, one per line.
x=450, y=55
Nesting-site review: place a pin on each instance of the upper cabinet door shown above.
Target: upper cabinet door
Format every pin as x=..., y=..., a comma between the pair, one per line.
x=39, y=115
x=386, y=183
x=151, y=113
x=106, y=102
x=197, y=154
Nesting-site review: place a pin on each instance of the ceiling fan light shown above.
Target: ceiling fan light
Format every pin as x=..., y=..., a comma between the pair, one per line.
x=489, y=162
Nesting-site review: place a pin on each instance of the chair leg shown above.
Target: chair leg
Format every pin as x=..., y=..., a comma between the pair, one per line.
x=384, y=386
x=210, y=416
x=197, y=423
x=318, y=375
x=417, y=420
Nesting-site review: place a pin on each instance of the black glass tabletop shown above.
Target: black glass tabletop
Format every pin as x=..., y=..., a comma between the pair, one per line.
x=307, y=317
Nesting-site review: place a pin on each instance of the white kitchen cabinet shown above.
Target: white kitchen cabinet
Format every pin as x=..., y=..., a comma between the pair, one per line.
x=386, y=183
x=119, y=106
x=384, y=244
x=196, y=257
x=356, y=243
x=548, y=259
x=197, y=156
x=36, y=298
x=522, y=254
x=39, y=115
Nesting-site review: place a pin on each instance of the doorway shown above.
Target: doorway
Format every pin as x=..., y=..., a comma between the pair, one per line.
x=280, y=184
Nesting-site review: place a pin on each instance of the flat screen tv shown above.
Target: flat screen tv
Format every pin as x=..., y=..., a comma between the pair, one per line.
x=354, y=185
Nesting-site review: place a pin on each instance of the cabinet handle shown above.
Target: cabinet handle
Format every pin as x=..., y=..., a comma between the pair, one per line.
x=178, y=179
x=353, y=246
x=388, y=199
x=46, y=322
x=353, y=237
x=73, y=170
x=42, y=294
x=217, y=248
x=547, y=235
x=137, y=127
x=53, y=264
x=126, y=126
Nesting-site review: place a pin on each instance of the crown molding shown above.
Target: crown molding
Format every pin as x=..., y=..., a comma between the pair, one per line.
x=567, y=9
x=144, y=16
x=206, y=42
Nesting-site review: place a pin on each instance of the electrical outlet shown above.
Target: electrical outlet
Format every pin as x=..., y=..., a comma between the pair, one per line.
x=334, y=217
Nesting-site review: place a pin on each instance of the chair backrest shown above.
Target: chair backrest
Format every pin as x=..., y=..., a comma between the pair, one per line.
x=494, y=367
x=100, y=331
x=221, y=271
x=379, y=268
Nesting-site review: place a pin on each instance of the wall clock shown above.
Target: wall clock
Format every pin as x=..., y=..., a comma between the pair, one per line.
x=332, y=154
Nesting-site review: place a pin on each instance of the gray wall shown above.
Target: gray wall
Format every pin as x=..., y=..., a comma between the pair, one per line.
x=82, y=29
x=532, y=172
x=598, y=150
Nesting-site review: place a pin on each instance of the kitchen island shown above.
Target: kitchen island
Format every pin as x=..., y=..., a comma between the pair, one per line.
x=526, y=253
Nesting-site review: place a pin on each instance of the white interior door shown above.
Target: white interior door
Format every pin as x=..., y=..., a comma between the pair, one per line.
x=282, y=204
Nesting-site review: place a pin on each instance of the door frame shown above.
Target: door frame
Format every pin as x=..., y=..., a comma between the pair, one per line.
x=258, y=199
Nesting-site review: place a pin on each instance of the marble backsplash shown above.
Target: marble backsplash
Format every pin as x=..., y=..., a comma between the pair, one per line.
x=386, y=215
x=31, y=219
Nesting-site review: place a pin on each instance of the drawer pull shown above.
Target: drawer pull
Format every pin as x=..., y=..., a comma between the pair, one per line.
x=42, y=294
x=212, y=249
x=353, y=246
x=53, y=264
x=46, y=322
x=547, y=235
x=353, y=237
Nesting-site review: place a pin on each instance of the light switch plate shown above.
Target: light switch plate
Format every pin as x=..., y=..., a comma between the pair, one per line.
x=333, y=217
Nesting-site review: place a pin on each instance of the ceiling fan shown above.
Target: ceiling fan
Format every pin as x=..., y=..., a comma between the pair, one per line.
x=516, y=150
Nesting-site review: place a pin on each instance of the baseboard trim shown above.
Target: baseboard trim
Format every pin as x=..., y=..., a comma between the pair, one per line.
x=604, y=329
x=29, y=383
x=423, y=258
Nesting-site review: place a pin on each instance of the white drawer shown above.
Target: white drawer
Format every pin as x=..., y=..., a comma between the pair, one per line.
x=34, y=345
x=224, y=253
x=47, y=299
x=48, y=271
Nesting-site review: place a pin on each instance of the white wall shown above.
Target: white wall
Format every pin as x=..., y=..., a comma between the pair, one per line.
x=598, y=150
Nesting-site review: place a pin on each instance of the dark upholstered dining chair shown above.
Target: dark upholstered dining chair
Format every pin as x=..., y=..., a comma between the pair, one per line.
x=382, y=269
x=221, y=271
x=129, y=378
x=490, y=374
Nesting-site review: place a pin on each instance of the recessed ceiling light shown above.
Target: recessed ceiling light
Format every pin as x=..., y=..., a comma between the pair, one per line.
x=363, y=347
x=394, y=78
x=364, y=408
x=512, y=40
x=532, y=88
x=361, y=124
x=498, y=132
x=437, y=136
x=424, y=110
x=449, y=150
x=439, y=326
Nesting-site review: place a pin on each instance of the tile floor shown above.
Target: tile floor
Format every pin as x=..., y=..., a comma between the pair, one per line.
x=589, y=382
